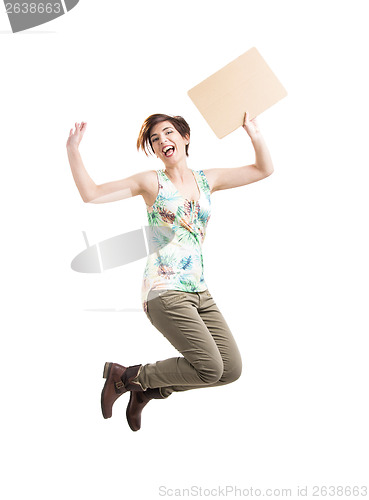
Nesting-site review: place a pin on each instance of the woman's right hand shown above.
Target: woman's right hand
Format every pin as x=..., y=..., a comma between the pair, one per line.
x=76, y=137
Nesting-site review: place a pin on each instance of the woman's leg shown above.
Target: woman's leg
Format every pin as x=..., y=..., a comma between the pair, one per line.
x=194, y=325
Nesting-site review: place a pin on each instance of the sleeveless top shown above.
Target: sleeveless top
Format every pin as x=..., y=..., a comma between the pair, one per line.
x=178, y=265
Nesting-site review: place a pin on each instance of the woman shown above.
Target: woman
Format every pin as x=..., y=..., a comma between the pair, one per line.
x=175, y=296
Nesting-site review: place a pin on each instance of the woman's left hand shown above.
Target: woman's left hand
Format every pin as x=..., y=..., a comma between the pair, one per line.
x=251, y=126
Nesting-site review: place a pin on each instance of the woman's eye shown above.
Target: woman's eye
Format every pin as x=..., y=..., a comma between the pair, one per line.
x=169, y=132
x=153, y=140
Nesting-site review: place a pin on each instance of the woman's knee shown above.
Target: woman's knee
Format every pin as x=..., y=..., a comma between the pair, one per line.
x=236, y=373
x=211, y=372
x=232, y=373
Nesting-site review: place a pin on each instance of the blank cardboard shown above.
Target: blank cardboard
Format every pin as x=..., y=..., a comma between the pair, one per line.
x=245, y=84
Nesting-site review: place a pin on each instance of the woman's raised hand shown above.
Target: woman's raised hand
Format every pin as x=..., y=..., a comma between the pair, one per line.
x=251, y=126
x=76, y=137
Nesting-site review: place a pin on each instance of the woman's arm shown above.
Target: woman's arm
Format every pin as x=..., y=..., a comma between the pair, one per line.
x=227, y=178
x=103, y=193
x=85, y=185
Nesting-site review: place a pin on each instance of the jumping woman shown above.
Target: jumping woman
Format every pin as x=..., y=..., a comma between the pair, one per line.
x=174, y=295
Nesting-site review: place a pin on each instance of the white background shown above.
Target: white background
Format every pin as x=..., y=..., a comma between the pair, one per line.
x=285, y=258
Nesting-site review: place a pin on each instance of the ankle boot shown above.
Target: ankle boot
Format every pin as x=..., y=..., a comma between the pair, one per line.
x=116, y=378
x=127, y=378
x=137, y=401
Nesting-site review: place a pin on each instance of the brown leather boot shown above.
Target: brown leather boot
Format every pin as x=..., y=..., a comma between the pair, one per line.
x=137, y=401
x=127, y=378
x=116, y=376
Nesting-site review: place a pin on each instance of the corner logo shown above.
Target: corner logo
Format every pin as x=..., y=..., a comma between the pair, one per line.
x=25, y=14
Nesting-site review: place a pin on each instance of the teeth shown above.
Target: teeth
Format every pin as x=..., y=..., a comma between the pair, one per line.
x=167, y=148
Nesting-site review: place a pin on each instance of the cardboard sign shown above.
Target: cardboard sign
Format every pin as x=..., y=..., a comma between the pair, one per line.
x=245, y=84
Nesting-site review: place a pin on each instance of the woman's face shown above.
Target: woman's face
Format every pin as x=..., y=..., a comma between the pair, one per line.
x=167, y=143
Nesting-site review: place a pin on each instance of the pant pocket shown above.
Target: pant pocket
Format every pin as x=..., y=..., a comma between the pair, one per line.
x=170, y=298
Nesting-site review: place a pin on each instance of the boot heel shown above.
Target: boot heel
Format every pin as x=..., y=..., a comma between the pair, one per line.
x=107, y=368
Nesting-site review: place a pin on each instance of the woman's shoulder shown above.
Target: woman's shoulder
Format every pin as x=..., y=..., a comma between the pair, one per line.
x=149, y=179
x=150, y=186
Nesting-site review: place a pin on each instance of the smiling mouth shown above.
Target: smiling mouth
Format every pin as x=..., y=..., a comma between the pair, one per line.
x=168, y=151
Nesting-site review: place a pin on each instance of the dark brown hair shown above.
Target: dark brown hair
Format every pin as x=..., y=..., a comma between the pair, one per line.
x=144, y=140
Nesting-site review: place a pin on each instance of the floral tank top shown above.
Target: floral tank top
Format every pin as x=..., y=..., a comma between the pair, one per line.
x=178, y=263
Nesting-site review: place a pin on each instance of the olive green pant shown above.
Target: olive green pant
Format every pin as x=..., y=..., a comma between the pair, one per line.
x=193, y=324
